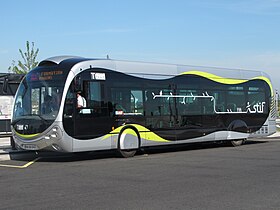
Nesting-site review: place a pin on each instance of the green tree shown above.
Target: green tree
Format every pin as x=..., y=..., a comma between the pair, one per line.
x=28, y=60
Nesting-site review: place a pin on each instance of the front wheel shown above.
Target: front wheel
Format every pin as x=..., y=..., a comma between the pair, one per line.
x=129, y=142
x=237, y=142
x=127, y=153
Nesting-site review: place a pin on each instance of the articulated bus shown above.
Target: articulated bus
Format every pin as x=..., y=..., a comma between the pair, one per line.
x=133, y=105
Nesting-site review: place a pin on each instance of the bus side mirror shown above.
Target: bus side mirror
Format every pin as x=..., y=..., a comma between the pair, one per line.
x=77, y=83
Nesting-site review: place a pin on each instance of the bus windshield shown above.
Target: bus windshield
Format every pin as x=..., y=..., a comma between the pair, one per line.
x=38, y=99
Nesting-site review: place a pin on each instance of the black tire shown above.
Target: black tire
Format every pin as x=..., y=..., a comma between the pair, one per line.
x=127, y=153
x=237, y=142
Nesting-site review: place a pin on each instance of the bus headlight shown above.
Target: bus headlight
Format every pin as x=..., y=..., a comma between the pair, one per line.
x=55, y=133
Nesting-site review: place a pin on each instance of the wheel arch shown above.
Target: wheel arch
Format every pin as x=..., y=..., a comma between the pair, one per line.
x=238, y=126
x=123, y=130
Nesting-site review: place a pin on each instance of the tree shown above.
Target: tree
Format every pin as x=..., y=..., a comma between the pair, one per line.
x=29, y=60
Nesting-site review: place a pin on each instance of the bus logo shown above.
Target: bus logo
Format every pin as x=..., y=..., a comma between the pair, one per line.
x=257, y=108
x=98, y=76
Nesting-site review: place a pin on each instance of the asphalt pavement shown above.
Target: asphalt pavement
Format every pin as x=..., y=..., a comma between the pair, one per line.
x=194, y=176
x=6, y=150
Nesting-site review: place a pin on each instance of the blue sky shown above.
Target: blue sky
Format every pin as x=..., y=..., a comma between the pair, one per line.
x=242, y=34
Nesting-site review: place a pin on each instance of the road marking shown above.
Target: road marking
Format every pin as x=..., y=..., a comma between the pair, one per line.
x=24, y=166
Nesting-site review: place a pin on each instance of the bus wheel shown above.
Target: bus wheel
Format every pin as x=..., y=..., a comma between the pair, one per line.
x=237, y=142
x=129, y=142
x=127, y=153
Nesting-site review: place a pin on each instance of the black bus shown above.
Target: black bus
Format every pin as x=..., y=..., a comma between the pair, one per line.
x=132, y=105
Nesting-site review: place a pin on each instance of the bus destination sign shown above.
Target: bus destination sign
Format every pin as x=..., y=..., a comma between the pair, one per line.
x=46, y=75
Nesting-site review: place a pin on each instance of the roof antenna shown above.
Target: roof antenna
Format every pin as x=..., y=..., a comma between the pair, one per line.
x=108, y=57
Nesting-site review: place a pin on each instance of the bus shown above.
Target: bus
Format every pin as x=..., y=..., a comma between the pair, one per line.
x=8, y=86
x=134, y=105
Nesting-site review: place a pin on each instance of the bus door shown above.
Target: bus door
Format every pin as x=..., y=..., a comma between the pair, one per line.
x=189, y=115
x=160, y=113
x=195, y=111
x=93, y=120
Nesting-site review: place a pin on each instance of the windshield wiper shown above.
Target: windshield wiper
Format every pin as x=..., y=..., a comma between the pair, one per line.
x=17, y=120
x=43, y=119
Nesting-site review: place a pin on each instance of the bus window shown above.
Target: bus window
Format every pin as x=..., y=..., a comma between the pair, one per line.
x=219, y=98
x=95, y=98
x=126, y=101
x=120, y=100
x=152, y=104
x=207, y=105
x=167, y=103
x=35, y=94
x=159, y=102
x=236, y=101
x=69, y=103
x=94, y=95
x=136, y=101
x=255, y=98
x=190, y=104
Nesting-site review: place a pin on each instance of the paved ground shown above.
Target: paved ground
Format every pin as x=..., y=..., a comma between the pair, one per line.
x=206, y=176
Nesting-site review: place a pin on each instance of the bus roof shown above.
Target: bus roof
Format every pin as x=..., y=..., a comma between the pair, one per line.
x=137, y=68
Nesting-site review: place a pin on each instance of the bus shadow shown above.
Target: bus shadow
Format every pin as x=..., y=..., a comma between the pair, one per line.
x=111, y=154
x=62, y=157
x=193, y=146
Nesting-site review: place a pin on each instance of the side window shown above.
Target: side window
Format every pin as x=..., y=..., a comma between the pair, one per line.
x=236, y=100
x=120, y=100
x=136, y=101
x=153, y=106
x=219, y=97
x=126, y=101
x=159, y=102
x=94, y=95
x=190, y=104
x=207, y=105
x=96, y=105
x=168, y=102
x=256, y=98
x=69, y=103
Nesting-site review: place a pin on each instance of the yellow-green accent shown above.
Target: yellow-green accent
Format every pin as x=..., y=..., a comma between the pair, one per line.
x=21, y=167
x=216, y=78
x=228, y=81
x=29, y=136
x=144, y=133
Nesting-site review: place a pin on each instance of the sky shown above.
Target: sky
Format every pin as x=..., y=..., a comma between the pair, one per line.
x=241, y=34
